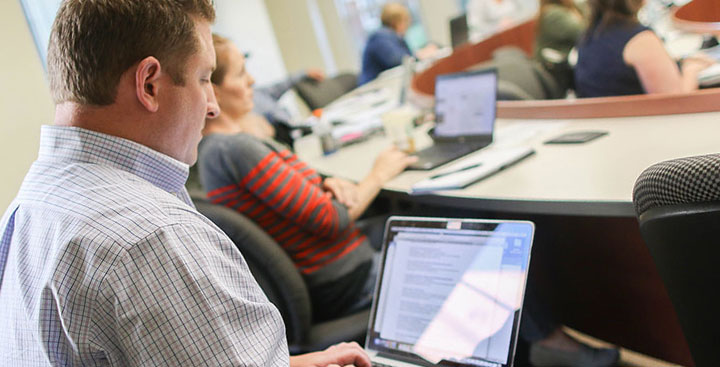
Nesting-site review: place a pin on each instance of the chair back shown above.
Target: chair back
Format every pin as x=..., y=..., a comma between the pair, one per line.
x=520, y=78
x=319, y=94
x=678, y=207
x=270, y=265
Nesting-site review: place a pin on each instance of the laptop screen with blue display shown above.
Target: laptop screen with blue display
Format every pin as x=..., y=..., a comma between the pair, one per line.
x=465, y=103
x=450, y=291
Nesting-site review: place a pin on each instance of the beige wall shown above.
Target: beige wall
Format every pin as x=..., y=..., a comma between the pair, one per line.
x=299, y=46
x=25, y=102
x=342, y=48
x=248, y=25
x=295, y=35
x=436, y=17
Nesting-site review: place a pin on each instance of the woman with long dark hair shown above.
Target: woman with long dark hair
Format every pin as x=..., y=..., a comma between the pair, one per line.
x=619, y=56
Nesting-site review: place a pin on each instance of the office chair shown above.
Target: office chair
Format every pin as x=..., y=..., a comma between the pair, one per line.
x=678, y=207
x=556, y=64
x=319, y=94
x=282, y=283
x=520, y=78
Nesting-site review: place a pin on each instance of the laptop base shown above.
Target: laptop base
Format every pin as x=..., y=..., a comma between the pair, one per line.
x=441, y=153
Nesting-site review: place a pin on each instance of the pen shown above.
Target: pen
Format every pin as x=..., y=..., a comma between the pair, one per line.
x=456, y=171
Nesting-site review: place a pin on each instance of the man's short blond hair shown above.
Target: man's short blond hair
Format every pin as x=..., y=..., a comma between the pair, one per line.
x=393, y=13
x=93, y=43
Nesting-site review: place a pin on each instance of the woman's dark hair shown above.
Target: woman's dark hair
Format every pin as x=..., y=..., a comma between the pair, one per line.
x=604, y=13
x=570, y=4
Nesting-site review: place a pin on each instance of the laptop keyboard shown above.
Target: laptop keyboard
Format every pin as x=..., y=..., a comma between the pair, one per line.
x=477, y=363
x=436, y=150
x=438, y=154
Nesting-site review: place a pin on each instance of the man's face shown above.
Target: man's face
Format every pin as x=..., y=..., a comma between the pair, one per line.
x=235, y=93
x=189, y=104
x=404, y=24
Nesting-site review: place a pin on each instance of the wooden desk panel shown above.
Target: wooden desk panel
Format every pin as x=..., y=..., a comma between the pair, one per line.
x=699, y=16
x=706, y=100
x=522, y=36
x=599, y=277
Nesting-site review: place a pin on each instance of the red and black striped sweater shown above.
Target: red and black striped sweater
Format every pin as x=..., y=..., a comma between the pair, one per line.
x=270, y=185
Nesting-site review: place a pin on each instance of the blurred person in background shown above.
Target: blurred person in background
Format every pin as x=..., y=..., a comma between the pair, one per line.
x=386, y=48
x=619, y=56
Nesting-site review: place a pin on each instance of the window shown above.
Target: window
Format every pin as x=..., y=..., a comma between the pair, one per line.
x=40, y=15
x=362, y=17
x=462, y=5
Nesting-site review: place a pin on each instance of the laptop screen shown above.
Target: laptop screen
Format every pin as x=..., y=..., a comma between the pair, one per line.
x=459, y=30
x=450, y=290
x=465, y=104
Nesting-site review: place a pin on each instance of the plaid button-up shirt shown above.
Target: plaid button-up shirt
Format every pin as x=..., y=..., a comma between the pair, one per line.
x=104, y=261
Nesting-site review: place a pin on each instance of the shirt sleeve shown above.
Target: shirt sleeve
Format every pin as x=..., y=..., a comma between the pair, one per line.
x=387, y=53
x=184, y=296
x=278, y=89
x=286, y=184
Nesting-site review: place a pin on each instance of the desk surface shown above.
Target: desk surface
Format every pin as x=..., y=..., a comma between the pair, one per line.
x=594, y=178
x=700, y=16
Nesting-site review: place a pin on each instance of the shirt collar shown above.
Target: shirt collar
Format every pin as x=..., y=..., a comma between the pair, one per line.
x=62, y=143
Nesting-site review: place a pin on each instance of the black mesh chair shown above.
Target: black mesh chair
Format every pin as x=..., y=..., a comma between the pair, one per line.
x=678, y=207
x=282, y=283
x=319, y=94
x=520, y=78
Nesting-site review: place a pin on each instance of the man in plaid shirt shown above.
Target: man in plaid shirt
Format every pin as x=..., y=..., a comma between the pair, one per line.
x=103, y=258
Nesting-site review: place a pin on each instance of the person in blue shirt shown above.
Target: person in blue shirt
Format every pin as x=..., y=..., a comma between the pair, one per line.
x=386, y=48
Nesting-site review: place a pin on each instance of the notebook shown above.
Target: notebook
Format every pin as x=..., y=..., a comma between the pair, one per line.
x=449, y=292
x=473, y=169
x=464, y=117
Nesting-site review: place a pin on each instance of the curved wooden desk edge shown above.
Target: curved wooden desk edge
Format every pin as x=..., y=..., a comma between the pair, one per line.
x=521, y=36
x=707, y=100
x=696, y=27
x=605, y=209
x=698, y=16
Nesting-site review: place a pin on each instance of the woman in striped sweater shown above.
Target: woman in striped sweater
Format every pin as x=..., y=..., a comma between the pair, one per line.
x=311, y=217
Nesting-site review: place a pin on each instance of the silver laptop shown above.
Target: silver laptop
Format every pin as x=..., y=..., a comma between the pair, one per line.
x=465, y=105
x=449, y=292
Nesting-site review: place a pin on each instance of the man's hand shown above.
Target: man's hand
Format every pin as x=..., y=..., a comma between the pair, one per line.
x=344, y=191
x=343, y=354
x=427, y=52
x=390, y=163
x=316, y=74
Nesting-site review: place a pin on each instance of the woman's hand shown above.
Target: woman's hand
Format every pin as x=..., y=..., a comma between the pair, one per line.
x=344, y=191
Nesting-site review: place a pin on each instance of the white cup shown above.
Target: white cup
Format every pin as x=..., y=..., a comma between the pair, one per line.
x=398, y=126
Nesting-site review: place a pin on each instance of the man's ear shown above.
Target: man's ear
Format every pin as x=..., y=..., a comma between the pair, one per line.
x=147, y=83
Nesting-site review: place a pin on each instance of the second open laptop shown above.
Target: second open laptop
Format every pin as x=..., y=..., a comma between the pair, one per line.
x=449, y=292
x=465, y=106
x=459, y=31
